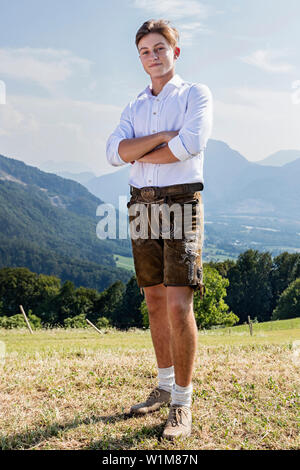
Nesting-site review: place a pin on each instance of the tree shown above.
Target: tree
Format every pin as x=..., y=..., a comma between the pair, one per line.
x=20, y=286
x=250, y=290
x=286, y=268
x=128, y=314
x=212, y=310
x=145, y=314
x=223, y=267
x=65, y=302
x=17, y=286
x=109, y=300
x=289, y=302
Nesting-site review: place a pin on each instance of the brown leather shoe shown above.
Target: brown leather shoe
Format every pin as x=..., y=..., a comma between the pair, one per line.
x=155, y=400
x=179, y=422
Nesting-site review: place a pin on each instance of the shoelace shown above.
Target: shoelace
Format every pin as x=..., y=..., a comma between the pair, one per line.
x=154, y=394
x=176, y=416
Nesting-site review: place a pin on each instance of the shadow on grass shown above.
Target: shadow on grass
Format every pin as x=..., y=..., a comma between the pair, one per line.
x=32, y=438
x=128, y=441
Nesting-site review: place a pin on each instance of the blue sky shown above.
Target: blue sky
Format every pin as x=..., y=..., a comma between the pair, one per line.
x=70, y=67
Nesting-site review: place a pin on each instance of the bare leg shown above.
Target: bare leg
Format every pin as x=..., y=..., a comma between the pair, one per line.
x=184, y=333
x=156, y=300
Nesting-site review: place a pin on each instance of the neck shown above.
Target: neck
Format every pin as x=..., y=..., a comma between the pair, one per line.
x=159, y=82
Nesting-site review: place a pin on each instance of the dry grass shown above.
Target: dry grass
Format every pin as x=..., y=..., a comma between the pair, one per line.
x=73, y=389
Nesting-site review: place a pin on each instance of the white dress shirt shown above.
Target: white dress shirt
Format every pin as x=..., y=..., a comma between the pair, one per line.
x=183, y=106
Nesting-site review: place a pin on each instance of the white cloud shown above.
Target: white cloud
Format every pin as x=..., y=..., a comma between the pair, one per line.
x=266, y=60
x=179, y=11
x=45, y=67
x=175, y=9
x=189, y=30
x=39, y=129
x=257, y=122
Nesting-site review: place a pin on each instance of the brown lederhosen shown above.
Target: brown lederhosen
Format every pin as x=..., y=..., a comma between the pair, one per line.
x=172, y=261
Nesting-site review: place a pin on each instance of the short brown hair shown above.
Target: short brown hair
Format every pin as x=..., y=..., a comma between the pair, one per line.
x=158, y=26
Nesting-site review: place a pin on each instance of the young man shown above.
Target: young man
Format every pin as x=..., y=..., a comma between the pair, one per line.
x=163, y=134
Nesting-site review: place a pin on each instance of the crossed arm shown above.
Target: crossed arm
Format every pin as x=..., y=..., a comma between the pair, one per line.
x=131, y=150
x=166, y=146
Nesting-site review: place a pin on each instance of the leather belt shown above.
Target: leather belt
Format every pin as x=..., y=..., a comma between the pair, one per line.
x=152, y=192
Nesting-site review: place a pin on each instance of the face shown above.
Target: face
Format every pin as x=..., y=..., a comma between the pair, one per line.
x=157, y=55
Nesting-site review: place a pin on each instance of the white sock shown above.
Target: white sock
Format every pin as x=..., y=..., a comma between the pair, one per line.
x=182, y=395
x=166, y=378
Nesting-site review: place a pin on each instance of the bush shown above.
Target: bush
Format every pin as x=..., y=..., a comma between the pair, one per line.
x=3, y=322
x=79, y=321
x=289, y=302
x=35, y=322
x=18, y=321
x=103, y=322
x=212, y=310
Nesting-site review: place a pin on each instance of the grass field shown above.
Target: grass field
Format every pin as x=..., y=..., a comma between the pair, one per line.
x=72, y=389
x=124, y=262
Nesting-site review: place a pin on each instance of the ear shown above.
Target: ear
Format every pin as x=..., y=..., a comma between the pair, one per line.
x=176, y=52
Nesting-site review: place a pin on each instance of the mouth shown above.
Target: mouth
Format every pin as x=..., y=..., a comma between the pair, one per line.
x=155, y=65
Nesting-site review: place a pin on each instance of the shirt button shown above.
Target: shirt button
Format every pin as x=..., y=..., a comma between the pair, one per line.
x=153, y=131
x=154, y=113
x=149, y=181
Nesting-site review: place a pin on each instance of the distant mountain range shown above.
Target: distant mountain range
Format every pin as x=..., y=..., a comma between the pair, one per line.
x=48, y=224
x=247, y=205
x=229, y=180
x=280, y=158
x=82, y=178
x=53, y=166
x=233, y=184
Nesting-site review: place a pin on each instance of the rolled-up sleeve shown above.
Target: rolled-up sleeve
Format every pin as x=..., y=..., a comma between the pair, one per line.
x=196, y=130
x=123, y=131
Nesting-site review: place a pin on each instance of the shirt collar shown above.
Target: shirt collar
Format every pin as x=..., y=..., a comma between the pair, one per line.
x=174, y=82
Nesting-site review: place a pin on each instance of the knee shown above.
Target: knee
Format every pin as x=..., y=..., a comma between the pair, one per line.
x=154, y=305
x=155, y=300
x=179, y=312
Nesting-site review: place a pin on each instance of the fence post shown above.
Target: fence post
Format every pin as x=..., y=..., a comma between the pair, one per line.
x=26, y=319
x=250, y=325
x=90, y=323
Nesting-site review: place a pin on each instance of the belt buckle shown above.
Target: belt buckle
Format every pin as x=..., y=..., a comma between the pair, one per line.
x=148, y=193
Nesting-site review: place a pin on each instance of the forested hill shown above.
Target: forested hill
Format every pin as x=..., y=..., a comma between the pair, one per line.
x=48, y=224
x=59, y=192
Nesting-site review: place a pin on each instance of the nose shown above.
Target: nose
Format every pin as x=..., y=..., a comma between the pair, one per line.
x=155, y=53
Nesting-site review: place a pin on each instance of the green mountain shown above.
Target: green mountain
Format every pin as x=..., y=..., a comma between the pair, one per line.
x=48, y=224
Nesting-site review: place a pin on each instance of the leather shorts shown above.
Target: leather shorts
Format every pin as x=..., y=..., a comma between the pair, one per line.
x=167, y=239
